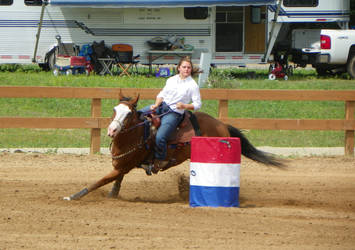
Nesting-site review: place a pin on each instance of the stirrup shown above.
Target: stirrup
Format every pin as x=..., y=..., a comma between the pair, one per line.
x=147, y=168
x=159, y=165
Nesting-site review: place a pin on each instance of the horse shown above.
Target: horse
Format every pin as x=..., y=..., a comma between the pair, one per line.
x=131, y=147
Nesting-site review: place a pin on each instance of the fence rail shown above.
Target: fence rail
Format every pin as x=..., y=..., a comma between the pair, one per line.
x=96, y=122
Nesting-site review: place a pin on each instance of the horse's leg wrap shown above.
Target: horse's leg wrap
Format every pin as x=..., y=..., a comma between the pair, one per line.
x=78, y=195
x=115, y=189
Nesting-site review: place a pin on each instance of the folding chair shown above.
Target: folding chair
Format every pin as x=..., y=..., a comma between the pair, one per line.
x=124, y=58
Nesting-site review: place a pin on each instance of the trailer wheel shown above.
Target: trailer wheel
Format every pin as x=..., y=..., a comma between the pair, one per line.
x=51, y=60
x=351, y=66
x=69, y=72
x=285, y=77
x=55, y=72
x=272, y=77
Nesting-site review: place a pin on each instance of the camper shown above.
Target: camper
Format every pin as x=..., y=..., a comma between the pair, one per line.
x=232, y=32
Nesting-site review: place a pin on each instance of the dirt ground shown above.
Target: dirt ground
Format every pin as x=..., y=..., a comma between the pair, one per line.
x=310, y=205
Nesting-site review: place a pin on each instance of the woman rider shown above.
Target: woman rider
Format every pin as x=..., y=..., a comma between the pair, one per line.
x=180, y=92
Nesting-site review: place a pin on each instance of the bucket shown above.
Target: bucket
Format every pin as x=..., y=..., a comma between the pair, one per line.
x=215, y=171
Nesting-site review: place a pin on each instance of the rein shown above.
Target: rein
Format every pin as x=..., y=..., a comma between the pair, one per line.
x=142, y=141
x=138, y=146
x=143, y=122
x=116, y=157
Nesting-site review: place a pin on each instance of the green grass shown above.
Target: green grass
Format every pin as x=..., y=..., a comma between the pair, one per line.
x=227, y=78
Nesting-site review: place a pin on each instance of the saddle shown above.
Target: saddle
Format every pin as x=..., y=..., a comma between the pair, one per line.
x=187, y=128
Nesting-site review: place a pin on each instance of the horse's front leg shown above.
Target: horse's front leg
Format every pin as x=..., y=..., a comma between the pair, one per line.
x=116, y=187
x=113, y=175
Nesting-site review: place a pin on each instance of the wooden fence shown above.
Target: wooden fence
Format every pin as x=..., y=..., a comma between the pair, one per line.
x=96, y=122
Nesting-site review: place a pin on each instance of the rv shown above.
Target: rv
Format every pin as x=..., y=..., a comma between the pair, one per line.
x=232, y=32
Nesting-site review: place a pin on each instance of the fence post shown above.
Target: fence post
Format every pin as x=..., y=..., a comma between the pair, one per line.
x=349, y=134
x=95, y=132
x=223, y=109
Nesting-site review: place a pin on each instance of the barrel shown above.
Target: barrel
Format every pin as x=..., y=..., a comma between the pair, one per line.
x=215, y=172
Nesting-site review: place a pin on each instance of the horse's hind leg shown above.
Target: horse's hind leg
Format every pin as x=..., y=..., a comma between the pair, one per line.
x=113, y=175
x=116, y=187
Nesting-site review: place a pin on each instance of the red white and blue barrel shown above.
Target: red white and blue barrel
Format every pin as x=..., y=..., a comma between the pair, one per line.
x=215, y=171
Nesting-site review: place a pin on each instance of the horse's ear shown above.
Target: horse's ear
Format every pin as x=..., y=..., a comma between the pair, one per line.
x=135, y=101
x=121, y=96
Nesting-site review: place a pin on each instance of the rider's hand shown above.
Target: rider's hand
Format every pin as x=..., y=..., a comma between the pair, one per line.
x=180, y=105
x=153, y=107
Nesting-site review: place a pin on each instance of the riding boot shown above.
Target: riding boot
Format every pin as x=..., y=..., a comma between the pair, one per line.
x=158, y=165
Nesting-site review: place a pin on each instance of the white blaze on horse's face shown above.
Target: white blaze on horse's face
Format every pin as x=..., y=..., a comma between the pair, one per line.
x=116, y=125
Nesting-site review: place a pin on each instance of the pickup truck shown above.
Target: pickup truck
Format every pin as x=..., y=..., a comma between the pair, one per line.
x=333, y=52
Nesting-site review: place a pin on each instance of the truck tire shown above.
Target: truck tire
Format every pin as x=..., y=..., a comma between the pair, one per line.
x=321, y=71
x=51, y=60
x=351, y=66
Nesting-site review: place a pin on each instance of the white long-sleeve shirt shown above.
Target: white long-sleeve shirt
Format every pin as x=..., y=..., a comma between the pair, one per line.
x=178, y=90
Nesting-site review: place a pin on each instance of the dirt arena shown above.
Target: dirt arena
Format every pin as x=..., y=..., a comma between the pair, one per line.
x=311, y=205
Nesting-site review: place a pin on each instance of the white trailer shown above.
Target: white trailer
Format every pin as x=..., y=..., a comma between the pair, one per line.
x=235, y=32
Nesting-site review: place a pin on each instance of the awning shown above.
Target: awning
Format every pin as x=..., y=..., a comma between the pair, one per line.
x=156, y=3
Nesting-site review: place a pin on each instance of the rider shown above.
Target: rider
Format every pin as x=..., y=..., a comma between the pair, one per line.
x=180, y=92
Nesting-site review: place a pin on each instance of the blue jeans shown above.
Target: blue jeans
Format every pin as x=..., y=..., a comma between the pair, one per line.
x=169, y=122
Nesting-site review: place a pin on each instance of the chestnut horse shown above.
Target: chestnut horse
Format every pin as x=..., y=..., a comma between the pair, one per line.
x=130, y=147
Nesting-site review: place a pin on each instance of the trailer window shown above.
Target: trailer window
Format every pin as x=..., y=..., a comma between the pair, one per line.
x=195, y=12
x=33, y=2
x=300, y=3
x=6, y=2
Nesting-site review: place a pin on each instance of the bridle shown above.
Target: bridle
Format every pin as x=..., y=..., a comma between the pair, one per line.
x=123, y=130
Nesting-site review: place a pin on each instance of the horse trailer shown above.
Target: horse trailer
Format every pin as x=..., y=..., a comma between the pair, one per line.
x=233, y=32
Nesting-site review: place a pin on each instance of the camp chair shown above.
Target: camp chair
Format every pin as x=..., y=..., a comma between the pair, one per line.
x=124, y=58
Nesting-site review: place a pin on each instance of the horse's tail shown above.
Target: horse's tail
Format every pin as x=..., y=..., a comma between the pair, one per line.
x=248, y=150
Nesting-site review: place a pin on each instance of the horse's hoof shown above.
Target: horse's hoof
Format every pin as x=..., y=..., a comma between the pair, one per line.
x=113, y=195
x=67, y=198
